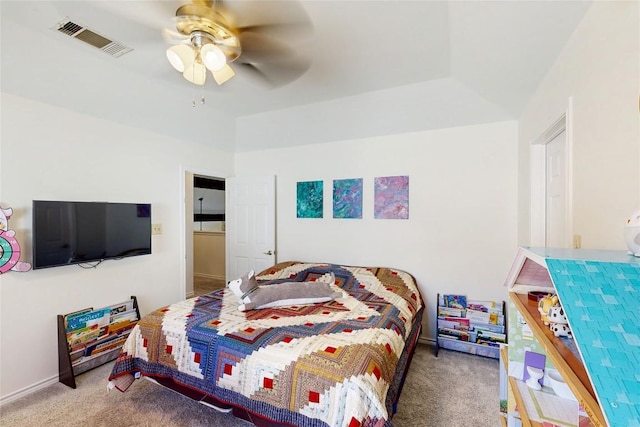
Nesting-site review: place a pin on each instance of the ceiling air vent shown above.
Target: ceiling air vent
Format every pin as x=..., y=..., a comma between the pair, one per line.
x=77, y=31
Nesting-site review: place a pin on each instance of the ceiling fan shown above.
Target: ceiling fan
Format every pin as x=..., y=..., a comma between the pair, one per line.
x=204, y=40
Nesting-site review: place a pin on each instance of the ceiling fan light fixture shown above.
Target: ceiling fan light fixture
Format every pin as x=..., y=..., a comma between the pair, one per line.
x=196, y=73
x=213, y=57
x=223, y=74
x=180, y=56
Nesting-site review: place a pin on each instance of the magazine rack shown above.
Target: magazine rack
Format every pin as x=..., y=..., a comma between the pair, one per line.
x=69, y=370
x=447, y=339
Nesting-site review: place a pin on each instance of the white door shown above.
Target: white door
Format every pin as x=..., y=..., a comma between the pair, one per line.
x=250, y=224
x=556, y=193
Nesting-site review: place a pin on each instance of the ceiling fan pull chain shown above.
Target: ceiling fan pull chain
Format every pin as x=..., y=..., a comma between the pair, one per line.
x=193, y=101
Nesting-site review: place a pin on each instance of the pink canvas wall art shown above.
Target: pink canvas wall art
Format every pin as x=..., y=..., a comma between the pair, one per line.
x=391, y=197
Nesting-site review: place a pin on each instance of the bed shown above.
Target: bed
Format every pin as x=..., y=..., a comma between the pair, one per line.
x=337, y=363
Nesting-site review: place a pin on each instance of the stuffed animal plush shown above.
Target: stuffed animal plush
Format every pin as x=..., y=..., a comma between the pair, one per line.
x=254, y=296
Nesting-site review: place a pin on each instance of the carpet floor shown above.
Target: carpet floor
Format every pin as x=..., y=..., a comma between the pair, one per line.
x=451, y=390
x=204, y=285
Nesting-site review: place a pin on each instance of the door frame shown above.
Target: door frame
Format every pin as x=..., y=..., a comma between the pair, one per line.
x=186, y=257
x=538, y=203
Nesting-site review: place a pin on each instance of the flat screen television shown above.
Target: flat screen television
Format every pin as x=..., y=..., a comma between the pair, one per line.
x=67, y=233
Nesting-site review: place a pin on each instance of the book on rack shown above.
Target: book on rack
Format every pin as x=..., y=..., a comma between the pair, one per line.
x=125, y=325
x=130, y=315
x=75, y=314
x=450, y=312
x=488, y=343
x=86, y=334
x=76, y=321
x=107, y=343
x=456, y=334
x=490, y=327
x=461, y=323
x=491, y=337
x=485, y=306
x=121, y=307
x=484, y=317
x=455, y=301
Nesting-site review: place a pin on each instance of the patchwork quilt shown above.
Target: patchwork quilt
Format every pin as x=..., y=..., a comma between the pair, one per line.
x=339, y=363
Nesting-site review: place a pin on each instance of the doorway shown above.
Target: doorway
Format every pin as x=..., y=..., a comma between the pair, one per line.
x=209, y=240
x=204, y=231
x=551, y=171
x=249, y=219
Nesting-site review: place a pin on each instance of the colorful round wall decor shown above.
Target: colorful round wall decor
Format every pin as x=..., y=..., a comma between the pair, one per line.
x=9, y=246
x=9, y=251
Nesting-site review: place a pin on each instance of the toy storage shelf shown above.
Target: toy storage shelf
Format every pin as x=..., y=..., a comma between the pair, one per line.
x=596, y=289
x=467, y=346
x=569, y=366
x=67, y=370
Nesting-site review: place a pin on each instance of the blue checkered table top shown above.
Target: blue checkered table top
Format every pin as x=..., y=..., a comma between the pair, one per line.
x=600, y=293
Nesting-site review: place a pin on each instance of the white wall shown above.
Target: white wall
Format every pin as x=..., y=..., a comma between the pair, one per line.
x=382, y=112
x=461, y=233
x=52, y=154
x=600, y=70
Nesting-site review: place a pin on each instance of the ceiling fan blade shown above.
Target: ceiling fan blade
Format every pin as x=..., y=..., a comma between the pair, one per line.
x=286, y=20
x=274, y=61
x=277, y=74
x=174, y=37
x=260, y=48
x=293, y=31
x=255, y=74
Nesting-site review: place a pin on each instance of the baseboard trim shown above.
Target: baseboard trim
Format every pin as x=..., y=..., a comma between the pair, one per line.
x=428, y=341
x=208, y=276
x=28, y=390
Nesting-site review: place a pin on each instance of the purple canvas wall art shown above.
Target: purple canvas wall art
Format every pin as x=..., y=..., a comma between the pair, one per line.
x=391, y=197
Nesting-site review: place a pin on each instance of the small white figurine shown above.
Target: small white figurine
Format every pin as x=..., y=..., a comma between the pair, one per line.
x=534, y=376
x=632, y=234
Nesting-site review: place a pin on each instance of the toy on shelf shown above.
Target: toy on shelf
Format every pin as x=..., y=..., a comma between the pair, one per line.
x=552, y=315
x=535, y=374
x=545, y=304
x=558, y=322
x=534, y=366
x=632, y=234
x=9, y=246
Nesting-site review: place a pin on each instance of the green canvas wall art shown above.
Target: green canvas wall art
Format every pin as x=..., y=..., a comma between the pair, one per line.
x=309, y=199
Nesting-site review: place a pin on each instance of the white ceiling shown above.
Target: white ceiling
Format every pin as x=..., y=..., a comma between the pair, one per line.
x=426, y=64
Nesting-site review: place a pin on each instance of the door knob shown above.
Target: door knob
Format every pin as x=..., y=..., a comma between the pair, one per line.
x=268, y=252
